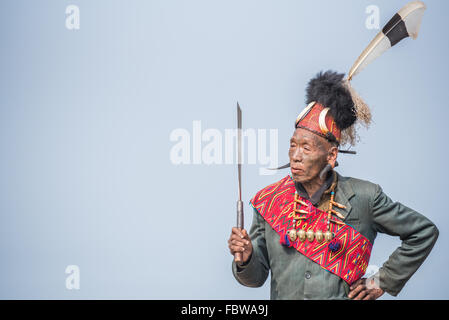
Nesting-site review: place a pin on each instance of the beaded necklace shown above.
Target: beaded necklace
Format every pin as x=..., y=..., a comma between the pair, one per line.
x=318, y=235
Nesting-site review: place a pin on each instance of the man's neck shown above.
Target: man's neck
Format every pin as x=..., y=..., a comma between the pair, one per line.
x=313, y=186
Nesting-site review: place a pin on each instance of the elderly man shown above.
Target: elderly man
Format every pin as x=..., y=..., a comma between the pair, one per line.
x=314, y=229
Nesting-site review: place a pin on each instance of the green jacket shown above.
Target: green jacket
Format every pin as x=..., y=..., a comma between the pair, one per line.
x=369, y=211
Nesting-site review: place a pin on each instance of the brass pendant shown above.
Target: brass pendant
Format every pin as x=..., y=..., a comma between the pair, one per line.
x=310, y=235
x=328, y=236
x=301, y=235
x=292, y=234
x=319, y=236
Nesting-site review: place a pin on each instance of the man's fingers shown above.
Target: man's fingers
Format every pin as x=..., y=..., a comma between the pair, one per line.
x=369, y=296
x=356, y=291
x=362, y=294
x=237, y=238
x=373, y=294
x=240, y=232
x=238, y=243
x=355, y=284
x=235, y=249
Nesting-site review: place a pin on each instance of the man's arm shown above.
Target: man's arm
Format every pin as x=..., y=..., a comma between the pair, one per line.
x=417, y=233
x=254, y=272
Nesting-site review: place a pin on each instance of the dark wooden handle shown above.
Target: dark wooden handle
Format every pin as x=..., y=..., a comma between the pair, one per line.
x=238, y=256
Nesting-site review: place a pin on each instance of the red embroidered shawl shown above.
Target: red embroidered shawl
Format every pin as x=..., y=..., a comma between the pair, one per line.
x=276, y=202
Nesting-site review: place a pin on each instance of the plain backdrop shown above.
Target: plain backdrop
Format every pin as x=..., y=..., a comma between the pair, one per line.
x=86, y=117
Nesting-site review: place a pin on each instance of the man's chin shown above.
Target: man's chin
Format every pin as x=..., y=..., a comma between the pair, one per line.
x=299, y=177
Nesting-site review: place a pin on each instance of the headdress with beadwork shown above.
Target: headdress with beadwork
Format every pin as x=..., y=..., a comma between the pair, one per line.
x=332, y=111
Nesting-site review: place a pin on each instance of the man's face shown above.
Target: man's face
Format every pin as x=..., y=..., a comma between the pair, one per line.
x=308, y=155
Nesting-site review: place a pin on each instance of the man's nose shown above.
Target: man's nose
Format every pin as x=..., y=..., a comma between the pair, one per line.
x=297, y=155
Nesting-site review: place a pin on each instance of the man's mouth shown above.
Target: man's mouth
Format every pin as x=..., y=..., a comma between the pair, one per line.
x=296, y=170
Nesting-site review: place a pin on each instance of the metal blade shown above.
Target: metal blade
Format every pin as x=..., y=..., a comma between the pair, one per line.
x=238, y=256
x=239, y=148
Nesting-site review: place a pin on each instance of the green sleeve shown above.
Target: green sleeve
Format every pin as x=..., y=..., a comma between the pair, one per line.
x=255, y=271
x=417, y=233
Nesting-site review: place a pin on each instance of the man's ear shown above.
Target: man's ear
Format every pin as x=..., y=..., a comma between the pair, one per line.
x=332, y=156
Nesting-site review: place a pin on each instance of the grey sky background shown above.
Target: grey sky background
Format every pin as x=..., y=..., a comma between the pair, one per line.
x=86, y=117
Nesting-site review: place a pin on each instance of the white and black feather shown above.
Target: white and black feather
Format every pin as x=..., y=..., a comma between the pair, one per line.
x=405, y=23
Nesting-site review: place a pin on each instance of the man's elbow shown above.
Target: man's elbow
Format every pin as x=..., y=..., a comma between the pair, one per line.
x=435, y=233
x=430, y=235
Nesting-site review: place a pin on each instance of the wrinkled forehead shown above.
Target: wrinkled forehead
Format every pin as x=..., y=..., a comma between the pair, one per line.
x=301, y=135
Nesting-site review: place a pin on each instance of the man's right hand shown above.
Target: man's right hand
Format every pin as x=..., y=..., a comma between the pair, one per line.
x=239, y=241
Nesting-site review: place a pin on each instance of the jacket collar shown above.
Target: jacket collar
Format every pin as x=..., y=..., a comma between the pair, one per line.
x=343, y=194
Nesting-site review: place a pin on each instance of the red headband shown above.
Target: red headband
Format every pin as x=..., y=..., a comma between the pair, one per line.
x=317, y=119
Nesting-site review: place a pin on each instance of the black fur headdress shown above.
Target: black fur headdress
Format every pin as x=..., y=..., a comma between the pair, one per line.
x=328, y=90
x=333, y=91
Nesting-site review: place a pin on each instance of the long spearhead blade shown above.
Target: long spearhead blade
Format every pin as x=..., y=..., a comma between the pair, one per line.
x=239, y=148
